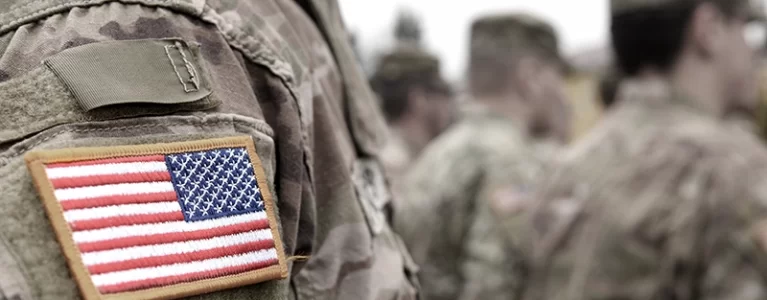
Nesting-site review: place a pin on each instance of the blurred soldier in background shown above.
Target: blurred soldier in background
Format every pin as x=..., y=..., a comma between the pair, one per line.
x=417, y=102
x=663, y=200
x=407, y=30
x=485, y=161
x=136, y=73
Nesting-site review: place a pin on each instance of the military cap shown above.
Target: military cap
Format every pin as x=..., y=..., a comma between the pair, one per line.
x=411, y=63
x=755, y=8
x=512, y=34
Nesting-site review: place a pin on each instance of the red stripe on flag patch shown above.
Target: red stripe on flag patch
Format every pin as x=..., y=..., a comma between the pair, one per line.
x=117, y=200
x=179, y=258
x=116, y=160
x=73, y=182
x=126, y=220
x=168, y=280
x=172, y=237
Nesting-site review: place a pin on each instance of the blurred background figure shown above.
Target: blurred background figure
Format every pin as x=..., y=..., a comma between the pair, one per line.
x=582, y=26
x=407, y=29
x=664, y=199
x=515, y=119
x=416, y=100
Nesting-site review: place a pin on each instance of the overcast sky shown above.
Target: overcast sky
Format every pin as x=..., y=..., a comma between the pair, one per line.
x=581, y=23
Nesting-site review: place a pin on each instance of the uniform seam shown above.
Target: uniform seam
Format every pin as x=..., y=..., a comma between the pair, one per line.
x=210, y=15
x=11, y=23
x=59, y=131
x=8, y=25
x=18, y=7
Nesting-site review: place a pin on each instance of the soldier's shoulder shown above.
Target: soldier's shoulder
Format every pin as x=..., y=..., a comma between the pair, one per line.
x=477, y=138
x=636, y=145
x=719, y=143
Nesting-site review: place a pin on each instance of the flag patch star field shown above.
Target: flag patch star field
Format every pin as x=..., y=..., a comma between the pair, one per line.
x=173, y=215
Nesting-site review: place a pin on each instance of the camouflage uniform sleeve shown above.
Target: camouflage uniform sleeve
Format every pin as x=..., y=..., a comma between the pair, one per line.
x=435, y=211
x=446, y=217
x=735, y=239
x=489, y=267
x=486, y=266
x=273, y=76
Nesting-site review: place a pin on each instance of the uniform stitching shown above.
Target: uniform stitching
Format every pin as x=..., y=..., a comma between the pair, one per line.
x=257, y=126
x=12, y=23
x=17, y=7
x=189, y=67
x=167, y=52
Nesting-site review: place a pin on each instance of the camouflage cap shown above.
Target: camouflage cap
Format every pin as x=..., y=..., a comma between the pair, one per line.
x=411, y=63
x=512, y=34
x=401, y=70
x=754, y=8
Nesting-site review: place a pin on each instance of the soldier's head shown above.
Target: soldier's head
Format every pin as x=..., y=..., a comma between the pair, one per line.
x=516, y=57
x=410, y=85
x=704, y=39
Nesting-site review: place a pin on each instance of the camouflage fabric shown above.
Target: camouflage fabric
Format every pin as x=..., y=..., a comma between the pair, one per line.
x=275, y=74
x=483, y=163
x=497, y=43
x=405, y=62
x=501, y=35
x=661, y=201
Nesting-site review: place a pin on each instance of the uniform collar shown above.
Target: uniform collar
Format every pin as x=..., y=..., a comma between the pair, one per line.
x=482, y=114
x=659, y=93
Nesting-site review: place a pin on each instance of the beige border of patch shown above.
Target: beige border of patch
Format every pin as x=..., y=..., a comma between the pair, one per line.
x=35, y=163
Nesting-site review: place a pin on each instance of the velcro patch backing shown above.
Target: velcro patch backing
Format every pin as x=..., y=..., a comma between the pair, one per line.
x=161, y=71
x=161, y=221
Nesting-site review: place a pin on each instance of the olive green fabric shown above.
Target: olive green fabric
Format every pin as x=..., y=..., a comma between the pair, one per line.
x=165, y=71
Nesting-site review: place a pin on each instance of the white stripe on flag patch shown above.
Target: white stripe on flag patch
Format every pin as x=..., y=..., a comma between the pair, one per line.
x=111, y=233
x=106, y=169
x=184, y=268
x=121, y=189
x=121, y=210
x=123, y=254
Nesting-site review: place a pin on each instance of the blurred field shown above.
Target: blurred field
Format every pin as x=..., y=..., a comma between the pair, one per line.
x=583, y=92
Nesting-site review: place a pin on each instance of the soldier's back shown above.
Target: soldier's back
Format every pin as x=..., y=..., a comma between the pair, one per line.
x=446, y=216
x=661, y=201
x=139, y=73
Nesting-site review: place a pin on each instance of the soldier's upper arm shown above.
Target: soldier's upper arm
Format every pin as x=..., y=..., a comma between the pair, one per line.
x=734, y=255
x=492, y=252
x=427, y=196
x=487, y=264
x=148, y=100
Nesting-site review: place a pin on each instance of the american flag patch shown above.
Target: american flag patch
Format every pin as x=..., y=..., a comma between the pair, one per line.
x=154, y=221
